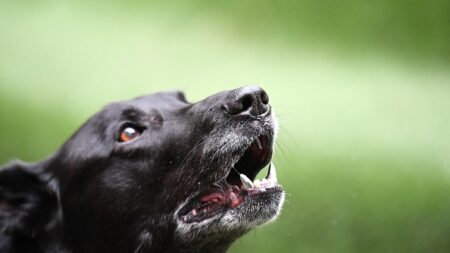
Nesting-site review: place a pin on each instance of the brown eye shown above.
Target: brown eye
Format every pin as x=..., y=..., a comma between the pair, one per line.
x=128, y=134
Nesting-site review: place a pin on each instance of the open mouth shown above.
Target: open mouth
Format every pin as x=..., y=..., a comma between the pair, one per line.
x=240, y=186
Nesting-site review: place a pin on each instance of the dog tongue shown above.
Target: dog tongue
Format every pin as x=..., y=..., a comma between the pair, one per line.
x=231, y=196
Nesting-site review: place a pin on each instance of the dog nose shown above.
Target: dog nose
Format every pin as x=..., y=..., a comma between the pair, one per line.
x=247, y=100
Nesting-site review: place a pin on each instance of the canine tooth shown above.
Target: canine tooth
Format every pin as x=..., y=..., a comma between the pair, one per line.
x=246, y=182
x=258, y=141
x=257, y=183
x=272, y=174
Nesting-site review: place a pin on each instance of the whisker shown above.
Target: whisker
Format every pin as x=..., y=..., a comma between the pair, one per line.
x=139, y=247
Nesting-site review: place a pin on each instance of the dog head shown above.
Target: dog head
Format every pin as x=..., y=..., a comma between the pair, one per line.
x=155, y=173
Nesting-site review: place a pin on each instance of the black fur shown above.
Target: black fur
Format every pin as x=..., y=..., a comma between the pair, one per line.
x=96, y=194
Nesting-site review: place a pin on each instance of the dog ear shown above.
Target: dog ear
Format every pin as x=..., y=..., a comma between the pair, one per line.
x=27, y=202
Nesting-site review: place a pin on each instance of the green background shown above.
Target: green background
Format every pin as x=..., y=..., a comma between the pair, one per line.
x=361, y=89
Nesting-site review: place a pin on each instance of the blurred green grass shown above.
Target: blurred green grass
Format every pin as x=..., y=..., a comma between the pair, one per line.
x=364, y=147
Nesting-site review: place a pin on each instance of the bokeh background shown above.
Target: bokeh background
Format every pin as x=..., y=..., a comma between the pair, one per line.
x=361, y=88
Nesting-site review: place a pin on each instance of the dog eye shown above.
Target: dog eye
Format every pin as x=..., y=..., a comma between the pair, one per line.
x=129, y=133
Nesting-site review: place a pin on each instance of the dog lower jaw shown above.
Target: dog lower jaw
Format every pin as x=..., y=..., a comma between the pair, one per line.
x=215, y=234
x=246, y=203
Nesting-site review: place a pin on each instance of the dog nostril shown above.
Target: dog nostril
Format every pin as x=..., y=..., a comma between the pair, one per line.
x=247, y=102
x=264, y=98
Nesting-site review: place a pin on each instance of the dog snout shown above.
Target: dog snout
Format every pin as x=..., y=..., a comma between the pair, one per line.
x=249, y=100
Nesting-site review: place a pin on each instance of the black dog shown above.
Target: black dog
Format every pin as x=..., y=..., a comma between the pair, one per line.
x=153, y=174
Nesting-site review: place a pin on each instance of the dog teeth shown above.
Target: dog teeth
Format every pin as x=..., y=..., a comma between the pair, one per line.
x=272, y=174
x=246, y=182
x=258, y=141
x=261, y=184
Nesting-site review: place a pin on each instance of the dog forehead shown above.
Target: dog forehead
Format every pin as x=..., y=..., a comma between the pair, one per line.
x=161, y=98
x=161, y=101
